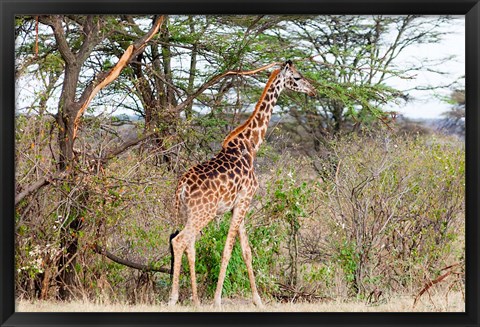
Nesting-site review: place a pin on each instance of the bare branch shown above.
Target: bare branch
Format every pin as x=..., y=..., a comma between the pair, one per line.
x=31, y=188
x=215, y=79
x=115, y=152
x=106, y=78
x=147, y=268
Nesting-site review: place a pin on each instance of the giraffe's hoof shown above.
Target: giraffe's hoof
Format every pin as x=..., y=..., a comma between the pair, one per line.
x=258, y=302
x=260, y=305
x=196, y=304
x=217, y=303
x=172, y=303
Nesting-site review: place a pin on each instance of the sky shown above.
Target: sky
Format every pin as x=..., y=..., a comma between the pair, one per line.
x=428, y=104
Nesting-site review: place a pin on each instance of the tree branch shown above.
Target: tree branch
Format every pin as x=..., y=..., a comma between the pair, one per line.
x=55, y=22
x=115, y=152
x=93, y=36
x=30, y=189
x=43, y=181
x=215, y=79
x=147, y=268
x=106, y=78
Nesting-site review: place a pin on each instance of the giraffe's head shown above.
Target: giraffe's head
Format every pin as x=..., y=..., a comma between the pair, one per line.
x=295, y=81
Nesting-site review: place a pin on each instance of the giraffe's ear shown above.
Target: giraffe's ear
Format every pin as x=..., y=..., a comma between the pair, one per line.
x=286, y=66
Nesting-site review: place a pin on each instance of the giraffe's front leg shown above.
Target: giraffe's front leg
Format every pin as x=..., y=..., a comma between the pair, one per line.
x=247, y=257
x=237, y=217
x=227, y=252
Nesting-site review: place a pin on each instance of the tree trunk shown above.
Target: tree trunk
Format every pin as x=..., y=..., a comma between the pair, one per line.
x=67, y=111
x=193, y=68
x=66, y=263
x=337, y=115
x=65, y=140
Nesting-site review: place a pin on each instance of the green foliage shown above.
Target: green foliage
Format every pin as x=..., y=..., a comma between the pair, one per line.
x=288, y=201
x=211, y=128
x=348, y=259
x=289, y=196
x=320, y=273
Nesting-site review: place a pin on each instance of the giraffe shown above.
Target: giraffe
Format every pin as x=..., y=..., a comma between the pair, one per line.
x=227, y=182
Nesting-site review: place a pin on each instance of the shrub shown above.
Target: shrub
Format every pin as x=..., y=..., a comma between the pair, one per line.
x=394, y=207
x=369, y=212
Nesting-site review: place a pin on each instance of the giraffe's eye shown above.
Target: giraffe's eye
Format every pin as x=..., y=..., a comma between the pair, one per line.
x=297, y=78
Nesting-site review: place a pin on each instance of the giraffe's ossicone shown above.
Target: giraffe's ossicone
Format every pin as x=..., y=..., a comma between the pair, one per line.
x=227, y=182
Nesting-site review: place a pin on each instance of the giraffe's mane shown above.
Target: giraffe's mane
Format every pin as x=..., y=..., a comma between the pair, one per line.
x=240, y=128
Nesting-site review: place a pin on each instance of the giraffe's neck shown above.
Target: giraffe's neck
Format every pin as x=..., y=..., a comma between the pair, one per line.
x=254, y=129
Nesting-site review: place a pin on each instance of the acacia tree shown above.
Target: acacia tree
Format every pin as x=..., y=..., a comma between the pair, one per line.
x=352, y=59
x=71, y=49
x=76, y=37
x=177, y=72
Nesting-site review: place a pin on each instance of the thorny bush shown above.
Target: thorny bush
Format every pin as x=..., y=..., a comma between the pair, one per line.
x=382, y=212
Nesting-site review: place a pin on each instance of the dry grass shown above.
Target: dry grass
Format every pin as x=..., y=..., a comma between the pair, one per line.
x=435, y=303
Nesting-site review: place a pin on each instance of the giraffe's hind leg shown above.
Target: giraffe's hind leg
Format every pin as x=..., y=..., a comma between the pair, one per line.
x=178, y=244
x=247, y=257
x=185, y=241
x=190, y=250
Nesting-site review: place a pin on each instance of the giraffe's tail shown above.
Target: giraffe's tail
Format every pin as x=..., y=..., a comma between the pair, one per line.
x=172, y=258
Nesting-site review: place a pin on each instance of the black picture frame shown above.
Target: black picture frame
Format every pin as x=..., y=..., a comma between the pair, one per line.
x=10, y=8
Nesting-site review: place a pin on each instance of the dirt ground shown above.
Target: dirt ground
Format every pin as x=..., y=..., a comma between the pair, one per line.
x=434, y=303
